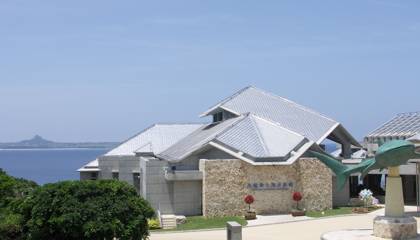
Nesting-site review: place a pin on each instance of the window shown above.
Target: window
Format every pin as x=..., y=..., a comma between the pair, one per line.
x=218, y=117
x=115, y=175
x=136, y=181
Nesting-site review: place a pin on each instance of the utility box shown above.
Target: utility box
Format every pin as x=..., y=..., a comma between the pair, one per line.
x=234, y=231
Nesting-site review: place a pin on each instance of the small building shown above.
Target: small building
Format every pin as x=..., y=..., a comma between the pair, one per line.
x=403, y=126
x=256, y=143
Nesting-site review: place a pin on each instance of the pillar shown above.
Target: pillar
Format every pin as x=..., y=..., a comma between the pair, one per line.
x=394, y=200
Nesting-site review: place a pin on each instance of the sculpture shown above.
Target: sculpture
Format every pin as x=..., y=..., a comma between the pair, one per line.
x=390, y=155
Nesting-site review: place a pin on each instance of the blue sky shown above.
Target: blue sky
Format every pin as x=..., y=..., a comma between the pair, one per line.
x=104, y=70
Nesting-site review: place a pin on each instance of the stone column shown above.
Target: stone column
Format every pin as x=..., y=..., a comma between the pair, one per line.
x=394, y=201
x=394, y=224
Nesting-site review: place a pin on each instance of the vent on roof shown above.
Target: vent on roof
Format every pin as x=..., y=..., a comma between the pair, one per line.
x=222, y=115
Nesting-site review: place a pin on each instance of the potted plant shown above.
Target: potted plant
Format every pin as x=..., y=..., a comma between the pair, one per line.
x=249, y=215
x=297, y=197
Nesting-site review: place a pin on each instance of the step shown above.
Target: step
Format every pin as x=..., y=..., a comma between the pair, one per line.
x=168, y=221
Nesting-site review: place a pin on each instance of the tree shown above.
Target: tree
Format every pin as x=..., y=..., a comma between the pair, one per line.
x=12, y=189
x=101, y=209
x=12, y=192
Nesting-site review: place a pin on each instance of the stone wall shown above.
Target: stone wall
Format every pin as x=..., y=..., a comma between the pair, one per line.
x=315, y=184
x=226, y=182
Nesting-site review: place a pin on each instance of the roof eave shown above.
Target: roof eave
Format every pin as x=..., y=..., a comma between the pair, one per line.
x=213, y=110
x=289, y=161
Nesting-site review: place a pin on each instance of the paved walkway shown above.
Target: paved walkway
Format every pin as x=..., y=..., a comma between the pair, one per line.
x=301, y=230
x=272, y=219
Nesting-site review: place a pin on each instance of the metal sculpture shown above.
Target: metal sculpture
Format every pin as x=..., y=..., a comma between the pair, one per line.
x=395, y=224
x=389, y=155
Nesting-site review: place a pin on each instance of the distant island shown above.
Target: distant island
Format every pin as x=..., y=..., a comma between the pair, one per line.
x=39, y=142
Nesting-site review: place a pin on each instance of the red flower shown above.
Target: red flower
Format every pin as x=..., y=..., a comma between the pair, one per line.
x=297, y=196
x=249, y=199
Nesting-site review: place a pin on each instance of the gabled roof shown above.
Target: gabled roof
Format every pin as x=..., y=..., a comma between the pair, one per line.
x=248, y=134
x=402, y=125
x=267, y=128
x=90, y=167
x=154, y=139
x=288, y=114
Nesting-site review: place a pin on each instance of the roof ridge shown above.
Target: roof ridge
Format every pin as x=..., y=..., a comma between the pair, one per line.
x=258, y=130
x=230, y=126
x=207, y=141
x=225, y=100
x=408, y=113
x=293, y=102
x=276, y=124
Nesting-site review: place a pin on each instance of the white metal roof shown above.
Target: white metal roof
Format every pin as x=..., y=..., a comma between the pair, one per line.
x=402, y=125
x=153, y=139
x=248, y=134
x=266, y=126
x=196, y=140
x=90, y=167
x=261, y=138
x=286, y=113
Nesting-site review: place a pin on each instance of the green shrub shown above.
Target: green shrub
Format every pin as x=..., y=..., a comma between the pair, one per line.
x=10, y=226
x=13, y=191
x=101, y=209
x=153, y=223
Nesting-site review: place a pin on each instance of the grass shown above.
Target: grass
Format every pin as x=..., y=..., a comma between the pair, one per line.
x=330, y=212
x=200, y=222
x=335, y=212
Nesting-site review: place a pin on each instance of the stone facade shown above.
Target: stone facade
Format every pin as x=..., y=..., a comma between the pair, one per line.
x=226, y=182
x=315, y=184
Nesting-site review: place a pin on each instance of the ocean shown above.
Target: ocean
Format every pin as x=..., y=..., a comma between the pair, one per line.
x=47, y=165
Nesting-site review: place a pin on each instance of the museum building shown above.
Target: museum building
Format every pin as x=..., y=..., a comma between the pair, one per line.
x=256, y=143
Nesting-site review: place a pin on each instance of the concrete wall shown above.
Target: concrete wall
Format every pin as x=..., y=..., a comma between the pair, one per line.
x=175, y=197
x=188, y=198
x=223, y=196
x=170, y=197
x=159, y=192
x=126, y=166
